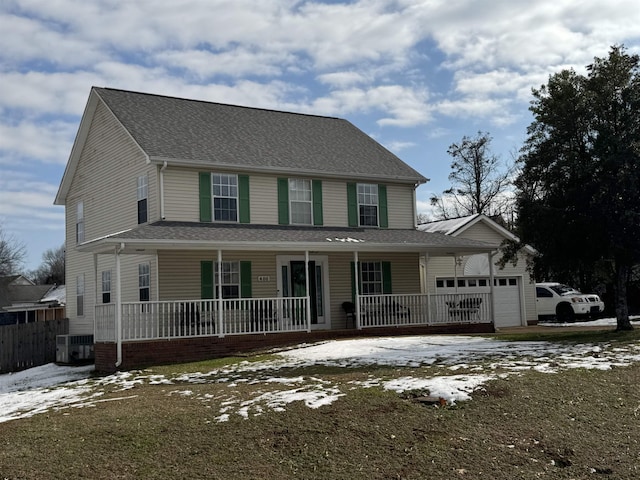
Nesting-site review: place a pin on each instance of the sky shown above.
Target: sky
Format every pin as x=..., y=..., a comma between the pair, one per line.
x=459, y=365
x=416, y=75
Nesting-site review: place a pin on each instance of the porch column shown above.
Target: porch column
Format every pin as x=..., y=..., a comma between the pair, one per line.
x=306, y=286
x=492, y=304
x=118, y=307
x=426, y=286
x=95, y=284
x=356, y=279
x=219, y=291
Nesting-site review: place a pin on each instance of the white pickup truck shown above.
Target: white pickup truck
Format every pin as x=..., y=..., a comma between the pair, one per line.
x=565, y=303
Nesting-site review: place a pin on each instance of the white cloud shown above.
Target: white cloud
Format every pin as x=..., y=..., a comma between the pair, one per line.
x=398, y=146
x=53, y=144
x=343, y=79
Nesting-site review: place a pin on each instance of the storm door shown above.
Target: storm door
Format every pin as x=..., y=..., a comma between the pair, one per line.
x=292, y=282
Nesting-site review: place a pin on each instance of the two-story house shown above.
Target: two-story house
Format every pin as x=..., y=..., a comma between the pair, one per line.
x=196, y=229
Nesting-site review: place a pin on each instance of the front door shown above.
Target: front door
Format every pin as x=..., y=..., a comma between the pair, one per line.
x=293, y=282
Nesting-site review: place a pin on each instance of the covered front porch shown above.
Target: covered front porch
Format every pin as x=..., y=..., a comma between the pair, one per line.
x=208, y=284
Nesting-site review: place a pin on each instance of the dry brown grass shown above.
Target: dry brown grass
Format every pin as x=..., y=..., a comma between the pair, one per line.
x=571, y=425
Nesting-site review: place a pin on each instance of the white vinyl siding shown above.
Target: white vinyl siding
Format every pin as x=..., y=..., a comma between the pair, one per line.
x=103, y=182
x=400, y=206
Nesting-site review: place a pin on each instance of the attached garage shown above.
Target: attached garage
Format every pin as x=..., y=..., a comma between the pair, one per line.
x=514, y=289
x=507, y=291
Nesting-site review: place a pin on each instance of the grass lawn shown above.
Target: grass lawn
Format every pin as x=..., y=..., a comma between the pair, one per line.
x=574, y=424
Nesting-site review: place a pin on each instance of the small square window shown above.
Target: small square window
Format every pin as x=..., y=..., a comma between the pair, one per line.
x=472, y=282
x=513, y=282
x=450, y=283
x=439, y=283
x=482, y=282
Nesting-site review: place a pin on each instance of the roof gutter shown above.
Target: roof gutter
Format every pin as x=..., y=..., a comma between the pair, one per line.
x=413, y=180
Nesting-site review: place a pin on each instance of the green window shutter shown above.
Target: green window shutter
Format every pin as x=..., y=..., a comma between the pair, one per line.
x=316, y=190
x=352, y=204
x=245, y=279
x=205, y=197
x=382, y=206
x=386, y=277
x=283, y=201
x=243, y=194
x=206, y=279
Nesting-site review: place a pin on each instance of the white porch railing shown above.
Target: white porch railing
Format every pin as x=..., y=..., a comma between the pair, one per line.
x=424, y=309
x=199, y=318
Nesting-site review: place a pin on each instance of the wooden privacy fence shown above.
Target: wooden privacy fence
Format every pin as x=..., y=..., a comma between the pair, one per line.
x=29, y=344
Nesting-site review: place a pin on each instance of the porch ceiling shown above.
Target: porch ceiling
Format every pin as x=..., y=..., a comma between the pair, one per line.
x=167, y=235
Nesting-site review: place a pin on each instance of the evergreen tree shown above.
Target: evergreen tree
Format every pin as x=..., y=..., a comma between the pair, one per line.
x=578, y=202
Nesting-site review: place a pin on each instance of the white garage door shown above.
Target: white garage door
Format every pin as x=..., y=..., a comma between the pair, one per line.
x=508, y=311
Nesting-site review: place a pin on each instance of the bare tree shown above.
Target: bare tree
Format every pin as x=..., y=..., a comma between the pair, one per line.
x=479, y=181
x=12, y=253
x=52, y=268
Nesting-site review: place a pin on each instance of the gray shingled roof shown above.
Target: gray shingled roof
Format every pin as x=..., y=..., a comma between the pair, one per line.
x=167, y=234
x=250, y=138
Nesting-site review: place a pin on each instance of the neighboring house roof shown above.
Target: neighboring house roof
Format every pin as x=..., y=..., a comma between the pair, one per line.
x=207, y=134
x=167, y=235
x=21, y=294
x=450, y=226
x=57, y=294
x=456, y=226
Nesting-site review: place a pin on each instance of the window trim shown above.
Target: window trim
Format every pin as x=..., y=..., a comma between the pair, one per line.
x=362, y=204
x=144, y=272
x=106, y=292
x=225, y=197
x=238, y=272
x=298, y=202
x=80, y=290
x=80, y=222
x=142, y=194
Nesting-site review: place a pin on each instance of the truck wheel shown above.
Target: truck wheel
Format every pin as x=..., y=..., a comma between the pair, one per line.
x=565, y=314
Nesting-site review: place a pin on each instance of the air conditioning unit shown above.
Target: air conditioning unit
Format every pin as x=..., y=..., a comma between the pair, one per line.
x=74, y=348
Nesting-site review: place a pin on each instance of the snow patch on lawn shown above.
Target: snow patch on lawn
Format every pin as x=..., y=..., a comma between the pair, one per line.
x=472, y=360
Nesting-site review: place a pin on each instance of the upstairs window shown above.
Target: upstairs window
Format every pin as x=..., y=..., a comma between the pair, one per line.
x=368, y=205
x=225, y=197
x=80, y=222
x=300, y=201
x=144, y=282
x=143, y=188
x=106, y=286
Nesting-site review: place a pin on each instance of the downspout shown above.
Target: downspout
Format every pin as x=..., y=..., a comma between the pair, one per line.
x=95, y=292
x=162, y=169
x=118, y=250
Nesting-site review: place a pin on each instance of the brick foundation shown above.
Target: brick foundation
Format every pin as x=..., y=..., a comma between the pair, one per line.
x=157, y=352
